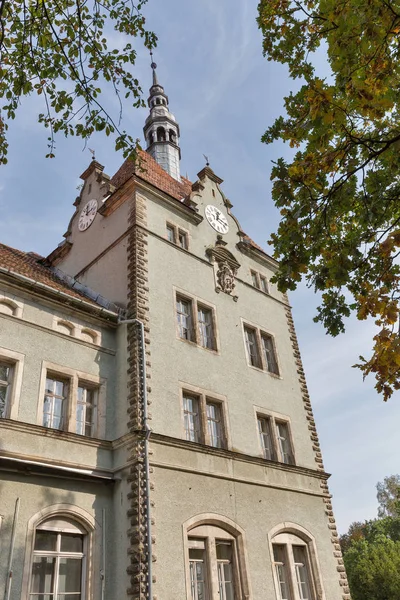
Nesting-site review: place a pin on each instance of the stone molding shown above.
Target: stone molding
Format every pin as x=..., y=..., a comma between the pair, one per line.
x=138, y=308
x=337, y=553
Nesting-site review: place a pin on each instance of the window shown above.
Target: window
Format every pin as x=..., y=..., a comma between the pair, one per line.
x=59, y=561
x=259, y=281
x=177, y=236
x=88, y=335
x=65, y=327
x=171, y=233
x=264, y=430
x=268, y=349
x=6, y=378
x=264, y=284
x=185, y=319
x=183, y=239
x=260, y=350
x=252, y=347
x=216, y=561
x=275, y=439
x=69, y=401
x=295, y=575
x=205, y=326
x=54, y=403
x=196, y=322
x=85, y=410
x=203, y=419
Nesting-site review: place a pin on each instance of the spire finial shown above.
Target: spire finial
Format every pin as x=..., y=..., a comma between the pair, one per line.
x=93, y=153
x=154, y=67
x=207, y=160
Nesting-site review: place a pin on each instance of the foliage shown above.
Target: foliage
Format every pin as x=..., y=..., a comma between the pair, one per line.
x=389, y=496
x=339, y=196
x=355, y=533
x=66, y=52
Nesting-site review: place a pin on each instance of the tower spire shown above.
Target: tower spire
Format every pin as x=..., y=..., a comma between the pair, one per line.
x=161, y=131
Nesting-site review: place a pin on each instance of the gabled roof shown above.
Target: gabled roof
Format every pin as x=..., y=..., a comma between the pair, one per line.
x=146, y=168
x=27, y=264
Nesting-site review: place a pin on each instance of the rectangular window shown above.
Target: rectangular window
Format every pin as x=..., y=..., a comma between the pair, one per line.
x=183, y=239
x=264, y=430
x=214, y=424
x=225, y=570
x=54, y=403
x=300, y=564
x=6, y=375
x=197, y=566
x=269, y=353
x=85, y=410
x=171, y=233
x=284, y=444
x=254, y=279
x=281, y=571
x=191, y=418
x=264, y=284
x=184, y=318
x=251, y=345
x=205, y=323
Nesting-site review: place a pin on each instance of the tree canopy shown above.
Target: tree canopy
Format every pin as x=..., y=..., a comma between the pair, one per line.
x=388, y=495
x=339, y=196
x=69, y=52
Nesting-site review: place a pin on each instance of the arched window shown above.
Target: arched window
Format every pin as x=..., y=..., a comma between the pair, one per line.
x=65, y=327
x=172, y=136
x=59, y=560
x=89, y=336
x=158, y=101
x=7, y=307
x=151, y=138
x=295, y=563
x=215, y=559
x=161, y=134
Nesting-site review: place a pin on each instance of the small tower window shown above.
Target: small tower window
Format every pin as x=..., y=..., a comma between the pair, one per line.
x=161, y=134
x=151, y=138
x=158, y=101
x=172, y=136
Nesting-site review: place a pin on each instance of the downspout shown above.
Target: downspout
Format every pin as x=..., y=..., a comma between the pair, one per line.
x=147, y=433
x=10, y=560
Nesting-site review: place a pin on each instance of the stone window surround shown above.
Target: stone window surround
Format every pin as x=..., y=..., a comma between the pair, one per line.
x=258, y=332
x=259, y=278
x=177, y=229
x=274, y=417
x=16, y=360
x=195, y=301
x=15, y=305
x=238, y=536
x=77, y=330
x=203, y=396
x=277, y=535
x=55, y=511
x=74, y=378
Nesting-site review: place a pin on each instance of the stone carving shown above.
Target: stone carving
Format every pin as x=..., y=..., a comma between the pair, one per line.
x=226, y=278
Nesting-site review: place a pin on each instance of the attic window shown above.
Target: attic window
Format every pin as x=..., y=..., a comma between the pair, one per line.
x=65, y=327
x=88, y=335
x=89, y=188
x=7, y=307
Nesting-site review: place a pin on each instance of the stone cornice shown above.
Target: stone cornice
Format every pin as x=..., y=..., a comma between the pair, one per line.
x=257, y=254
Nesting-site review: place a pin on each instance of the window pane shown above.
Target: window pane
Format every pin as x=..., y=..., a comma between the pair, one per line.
x=204, y=317
x=225, y=572
x=269, y=353
x=191, y=418
x=264, y=284
x=264, y=429
x=281, y=571
x=214, y=425
x=46, y=540
x=284, y=444
x=71, y=542
x=3, y=400
x=197, y=574
x=84, y=411
x=43, y=574
x=299, y=554
x=184, y=318
x=183, y=240
x=254, y=278
x=70, y=575
x=4, y=372
x=251, y=345
x=170, y=233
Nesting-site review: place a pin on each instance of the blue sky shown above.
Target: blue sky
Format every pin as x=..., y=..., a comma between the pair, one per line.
x=224, y=95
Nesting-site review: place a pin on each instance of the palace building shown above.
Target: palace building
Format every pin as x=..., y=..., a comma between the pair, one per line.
x=157, y=438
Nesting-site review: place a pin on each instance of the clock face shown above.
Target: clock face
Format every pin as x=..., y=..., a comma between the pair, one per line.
x=217, y=219
x=87, y=215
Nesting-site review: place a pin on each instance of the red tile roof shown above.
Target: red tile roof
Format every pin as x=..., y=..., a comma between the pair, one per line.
x=27, y=264
x=150, y=171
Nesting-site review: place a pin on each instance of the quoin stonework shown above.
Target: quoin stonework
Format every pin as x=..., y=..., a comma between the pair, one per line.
x=157, y=438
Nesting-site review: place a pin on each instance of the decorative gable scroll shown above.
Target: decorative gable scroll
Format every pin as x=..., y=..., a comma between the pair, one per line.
x=225, y=267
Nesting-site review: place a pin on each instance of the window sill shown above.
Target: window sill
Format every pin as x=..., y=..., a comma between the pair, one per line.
x=196, y=345
x=260, y=370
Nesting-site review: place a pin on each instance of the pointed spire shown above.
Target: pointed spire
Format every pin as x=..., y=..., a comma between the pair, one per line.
x=154, y=67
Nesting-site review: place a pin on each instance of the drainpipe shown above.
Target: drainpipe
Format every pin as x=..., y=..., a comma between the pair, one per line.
x=10, y=560
x=147, y=432
x=103, y=558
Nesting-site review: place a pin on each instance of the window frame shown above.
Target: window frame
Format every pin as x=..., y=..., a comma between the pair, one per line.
x=205, y=398
x=15, y=305
x=16, y=361
x=274, y=419
x=260, y=333
x=74, y=380
x=290, y=535
x=196, y=304
x=259, y=281
x=177, y=232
